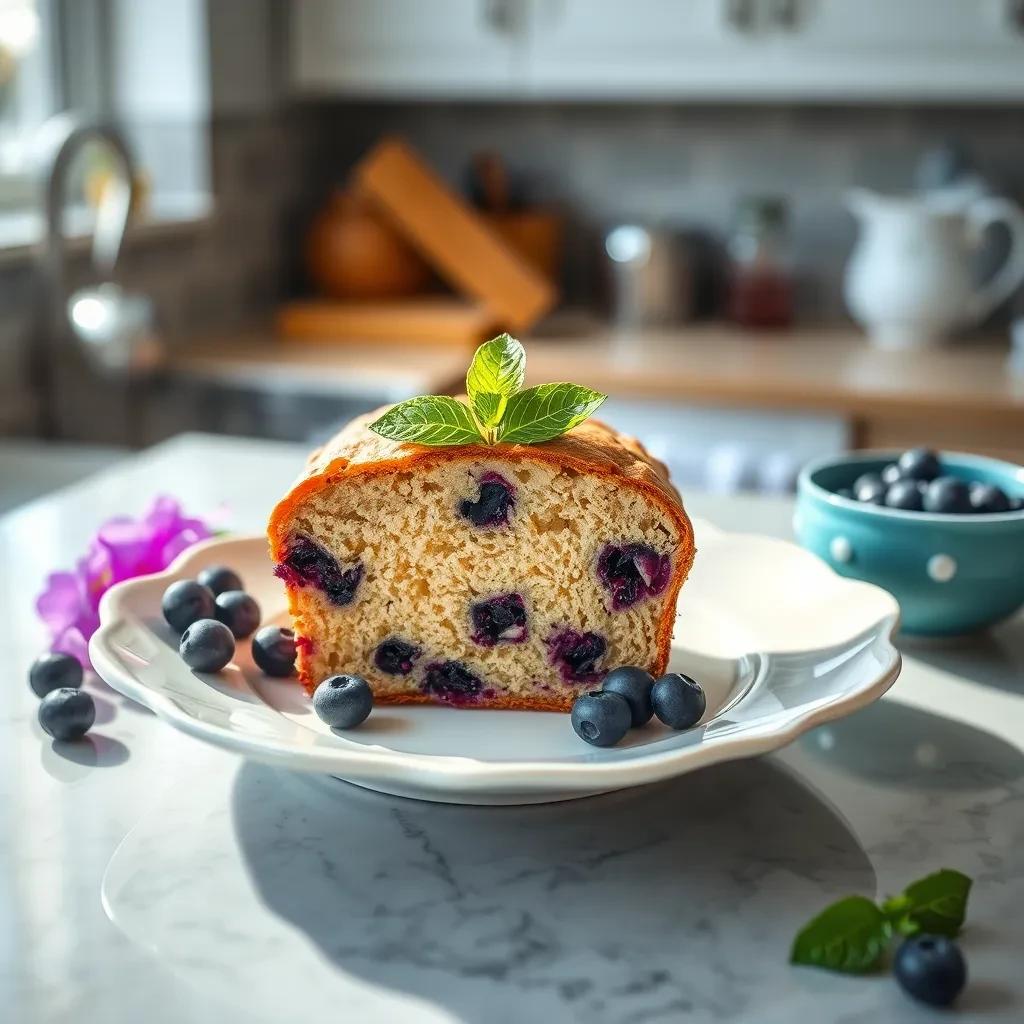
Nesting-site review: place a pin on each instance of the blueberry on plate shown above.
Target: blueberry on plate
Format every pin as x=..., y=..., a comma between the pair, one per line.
x=273, y=650
x=920, y=464
x=845, y=492
x=207, y=646
x=1016, y=504
x=678, y=701
x=54, y=672
x=869, y=488
x=67, y=713
x=601, y=718
x=634, y=685
x=948, y=495
x=906, y=495
x=239, y=612
x=343, y=702
x=931, y=968
x=987, y=498
x=219, y=578
x=891, y=474
x=185, y=602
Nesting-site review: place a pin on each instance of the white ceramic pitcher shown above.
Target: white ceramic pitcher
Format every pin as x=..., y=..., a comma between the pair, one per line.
x=909, y=281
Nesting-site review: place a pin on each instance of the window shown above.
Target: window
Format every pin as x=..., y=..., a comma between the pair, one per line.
x=28, y=86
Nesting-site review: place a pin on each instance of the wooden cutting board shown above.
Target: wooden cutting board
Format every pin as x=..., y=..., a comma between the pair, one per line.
x=453, y=237
x=431, y=320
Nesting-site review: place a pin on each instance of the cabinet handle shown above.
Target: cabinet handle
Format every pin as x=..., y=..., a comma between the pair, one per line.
x=740, y=14
x=786, y=14
x=505, y=17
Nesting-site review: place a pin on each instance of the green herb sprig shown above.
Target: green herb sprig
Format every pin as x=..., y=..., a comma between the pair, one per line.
x=852, y=935
x=499, y=410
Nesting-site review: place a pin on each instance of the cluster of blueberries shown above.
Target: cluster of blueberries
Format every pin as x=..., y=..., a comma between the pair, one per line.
x=66, y=712
x=629, y=697
x=211, y=612
x=916, y=483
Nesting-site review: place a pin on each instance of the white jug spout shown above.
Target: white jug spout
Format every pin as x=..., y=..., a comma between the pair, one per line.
x=862, y=201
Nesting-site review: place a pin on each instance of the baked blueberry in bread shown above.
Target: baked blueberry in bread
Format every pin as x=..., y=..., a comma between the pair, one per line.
x=487, y=572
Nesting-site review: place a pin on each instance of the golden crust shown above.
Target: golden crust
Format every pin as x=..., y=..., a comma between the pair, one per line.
x=592, y=447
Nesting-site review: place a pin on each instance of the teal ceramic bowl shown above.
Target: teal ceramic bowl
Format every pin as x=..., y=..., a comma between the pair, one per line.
x=950, y=573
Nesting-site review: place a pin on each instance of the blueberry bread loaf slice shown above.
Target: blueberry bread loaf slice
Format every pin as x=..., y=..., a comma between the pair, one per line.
x=497, y=576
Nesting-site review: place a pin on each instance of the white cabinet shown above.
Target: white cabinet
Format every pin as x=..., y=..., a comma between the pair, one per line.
x=407, y=48
x=748, y=50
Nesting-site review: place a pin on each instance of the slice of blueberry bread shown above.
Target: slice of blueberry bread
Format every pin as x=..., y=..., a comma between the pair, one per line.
x=501, y=576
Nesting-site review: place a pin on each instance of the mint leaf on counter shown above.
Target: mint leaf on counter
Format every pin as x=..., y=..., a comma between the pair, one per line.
x=849, y=936
x=431, y=420
x=546, y=412
x=936, y=904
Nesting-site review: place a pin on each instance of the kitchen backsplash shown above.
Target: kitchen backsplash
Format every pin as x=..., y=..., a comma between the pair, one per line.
x=686, y=165
x=665, y=164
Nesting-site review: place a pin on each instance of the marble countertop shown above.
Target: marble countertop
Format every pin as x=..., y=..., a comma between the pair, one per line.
x=148, y=877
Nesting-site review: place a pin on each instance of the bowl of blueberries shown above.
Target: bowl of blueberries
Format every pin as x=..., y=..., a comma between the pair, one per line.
x=943, y=532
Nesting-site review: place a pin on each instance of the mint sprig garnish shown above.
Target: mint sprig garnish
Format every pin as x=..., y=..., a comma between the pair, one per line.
x=546, y=411
x=852, y=935
x=499, y=410
x=432, y=419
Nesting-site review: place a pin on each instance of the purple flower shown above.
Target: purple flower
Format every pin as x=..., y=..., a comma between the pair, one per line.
x=122, y=549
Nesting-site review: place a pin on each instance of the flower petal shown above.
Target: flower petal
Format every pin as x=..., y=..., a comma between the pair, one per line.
x=60, y=603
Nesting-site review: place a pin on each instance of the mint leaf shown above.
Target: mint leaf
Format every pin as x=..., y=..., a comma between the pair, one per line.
x=545, y=412
x=498, y=368
x=849, y=936
x=432, y=419
x=489, y=408
x=936, y=903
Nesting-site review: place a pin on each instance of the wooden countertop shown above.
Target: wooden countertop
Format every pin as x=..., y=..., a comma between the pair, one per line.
x=827, y=369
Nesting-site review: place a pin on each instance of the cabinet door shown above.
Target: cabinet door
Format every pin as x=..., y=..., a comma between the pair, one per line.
x=912, y=49
x=412, y=48
x=614, y=49
x=752, y=50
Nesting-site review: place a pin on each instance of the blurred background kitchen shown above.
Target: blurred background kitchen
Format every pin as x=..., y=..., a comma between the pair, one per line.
x=769, y=229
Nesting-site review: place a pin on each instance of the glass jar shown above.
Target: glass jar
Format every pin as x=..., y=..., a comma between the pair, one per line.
x=760, y=270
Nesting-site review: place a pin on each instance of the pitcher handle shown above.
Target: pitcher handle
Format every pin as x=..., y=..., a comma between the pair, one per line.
x=981, y=215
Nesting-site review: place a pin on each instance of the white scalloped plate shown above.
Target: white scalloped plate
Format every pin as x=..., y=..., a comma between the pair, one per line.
x=779, y=642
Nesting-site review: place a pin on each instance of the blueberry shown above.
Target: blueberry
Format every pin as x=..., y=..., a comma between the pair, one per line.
x=906, y=495
x=845, y=492
x=207, y=646
x=931, y=968
x=634, y=685
x=891, y=474
x=987, y=498
x=185, y=602
x=869, y=488
x=239, y=612
x=499, y=619
x=1016, y=504
x=919, y=464
x=273, y=650
x=493, y=504
x=54, y=672
x=678, y=701
x=632, y=572
x=307, y=564
x=67, y=713
x=947, y=494
x=451, y=681
x=396, y=657
x=219, y=578
x=343, y=702
x=601, y=718
x=577, y=655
